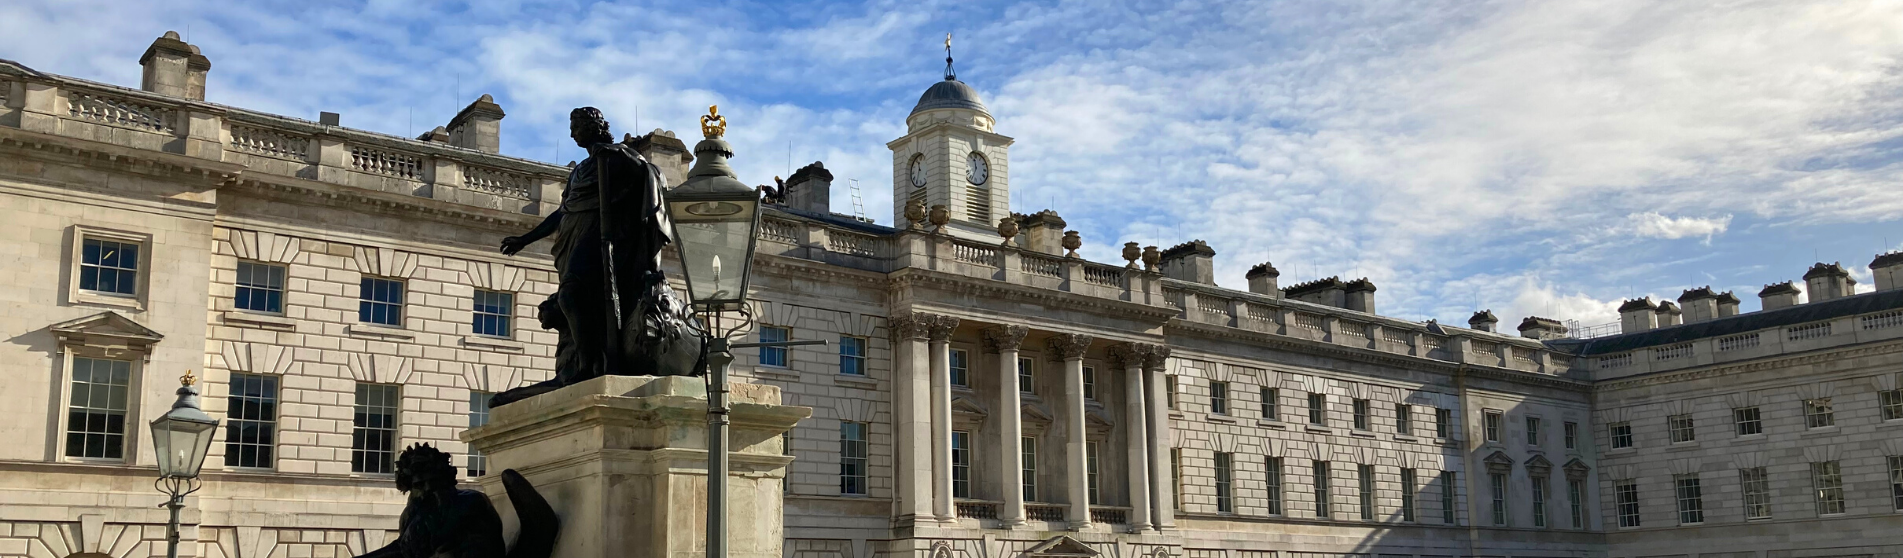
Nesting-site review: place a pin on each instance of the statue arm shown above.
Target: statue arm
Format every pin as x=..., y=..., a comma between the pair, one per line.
x=514, y=244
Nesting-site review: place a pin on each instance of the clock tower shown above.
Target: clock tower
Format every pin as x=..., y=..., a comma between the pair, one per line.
x=950, y=156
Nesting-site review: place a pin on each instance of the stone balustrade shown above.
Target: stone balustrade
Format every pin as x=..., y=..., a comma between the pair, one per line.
x=1844, y=331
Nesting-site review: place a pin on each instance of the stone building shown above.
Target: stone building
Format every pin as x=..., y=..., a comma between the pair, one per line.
x=340, y=294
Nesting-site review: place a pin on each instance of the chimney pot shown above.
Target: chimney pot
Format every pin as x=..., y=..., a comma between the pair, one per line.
x=1637, y=315
x=1483, y=321
x=1043, y=232
x=1535, y=327
x=661, y=148
x=478, y=126
x=1359, y=295
x=1701, y=304
x=810, y=189
x=174, y=68
x=1669, y=314
x=1778, y=295
x=1331, y=291
x=1828, y=282
x=1888, y=269
x=1262, y=279
x=1192, y=261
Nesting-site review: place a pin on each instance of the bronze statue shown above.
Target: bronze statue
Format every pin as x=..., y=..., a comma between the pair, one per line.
x=443, y=522
x=614, y=311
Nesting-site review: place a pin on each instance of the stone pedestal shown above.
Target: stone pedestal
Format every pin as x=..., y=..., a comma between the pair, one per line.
x=623, y=460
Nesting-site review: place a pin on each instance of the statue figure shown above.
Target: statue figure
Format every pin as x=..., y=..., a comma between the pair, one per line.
x=441, y=521
x=612, y=309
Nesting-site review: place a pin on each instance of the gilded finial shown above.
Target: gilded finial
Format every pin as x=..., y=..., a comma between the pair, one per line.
x=713, y=125
x=187, y=379
x=949, y=73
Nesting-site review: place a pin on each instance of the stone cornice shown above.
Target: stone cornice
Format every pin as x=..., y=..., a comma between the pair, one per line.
x=216, y=172
x=287, y=188
x=1370, y=356
x=1746, y=367
x=912, y=278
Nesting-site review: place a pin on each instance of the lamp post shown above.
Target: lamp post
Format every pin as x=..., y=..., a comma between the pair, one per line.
x=180, y=439
x=715, y=217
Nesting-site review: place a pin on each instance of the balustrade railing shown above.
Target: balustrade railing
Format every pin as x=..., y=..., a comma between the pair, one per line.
x=1352, y=331
x=855, y=243
x=387, y=163
x=977, y=510
x=1308, y=321
x=269, y=143
x=1524, y=355
x=1174, y=297
x=1400, y=336
x=1673, y=352
x=1807, y=331
x=496, y=182
x=1040, y=265
x=780, y=231
x=1615, y=361
x=1103, y=275
x=1738, y=342
x=120, y=112
x=975, y=254
x=1893, y=318
x=1113, y=516
x=1044, y=512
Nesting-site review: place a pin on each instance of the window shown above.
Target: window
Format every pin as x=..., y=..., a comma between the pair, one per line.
x=1272, y=471
x=1090, y=383
x=1892, y=404
x=1176, y=478
x=1532, y=431
x=1748, y=421
x=1269, y=411
x=1027, y=451
x=1681, y=428
x=776, y=356
x=1219, y=398
x=1490, y=421
x=478, y=416
x=1756, y=485
x=260, y=287
x=1499, y=484
x=1404, y=419
x=373, y=432
x=1407, y=495
x=1090, y=470
x=1621, y=434
x=1896, y=482
x=1025, y=379
x=1817, y=413
x=1539, y=501
x=1447, y=497
x=1225, y=479
x=109, y=267
x=961, y=464
x=1361, y=414
x=1365, y=480
x=1321, y=489
x=96, y=418
x=1443, y=422
x=1691, y=499
x=961, y=368
x=1572, y=434
x=1827, y=478
x=1169, y=391
x=251, y=417
x=852, y=355
x=1317, y=409
x=853, y=449
x=1576, y=501
x=1627, y=493
x=494, y=313
x=381, y=302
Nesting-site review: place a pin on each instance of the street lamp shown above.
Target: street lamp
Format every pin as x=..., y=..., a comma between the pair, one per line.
x=714, y=217
x=180, y=439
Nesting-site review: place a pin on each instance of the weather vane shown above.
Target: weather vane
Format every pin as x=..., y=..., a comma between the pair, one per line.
x=949, y=74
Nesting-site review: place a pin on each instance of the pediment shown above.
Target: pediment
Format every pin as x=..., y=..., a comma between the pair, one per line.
x=1499, y=463
x=1538, y=465
x=1098, y=419
x=1062, y=546
x=1576, y=469
x=106, y=330
x=1036, y=413
x=962, y=405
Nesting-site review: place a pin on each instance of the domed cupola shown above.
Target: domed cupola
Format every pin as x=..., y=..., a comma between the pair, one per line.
x=950, y=93
x=950, y=157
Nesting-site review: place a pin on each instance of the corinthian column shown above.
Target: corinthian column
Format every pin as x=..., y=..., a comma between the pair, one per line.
x=940, y=331
x=1070, y=347
x=911, y=421
x=1165, y=516
x=1004, y=340
x=1135, y=420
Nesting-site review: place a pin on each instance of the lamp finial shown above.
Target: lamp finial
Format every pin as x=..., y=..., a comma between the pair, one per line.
x=713, y=125
x=187, y=379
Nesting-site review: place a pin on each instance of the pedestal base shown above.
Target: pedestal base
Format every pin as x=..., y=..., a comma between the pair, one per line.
x=623, y=460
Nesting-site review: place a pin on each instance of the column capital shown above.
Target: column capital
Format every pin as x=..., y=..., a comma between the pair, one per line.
x=912, y=326
x=1133, y=353
x=1069, y=346
x=1002, y=338
x=1154, y=359
x=940, y=327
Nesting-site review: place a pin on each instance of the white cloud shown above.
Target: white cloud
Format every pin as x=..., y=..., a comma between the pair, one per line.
x=1653, y=225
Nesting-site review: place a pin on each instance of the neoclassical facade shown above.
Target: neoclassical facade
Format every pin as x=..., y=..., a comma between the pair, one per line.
x=979, y=396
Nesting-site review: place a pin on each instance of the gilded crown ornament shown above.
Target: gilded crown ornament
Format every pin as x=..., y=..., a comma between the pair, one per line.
x=713, y=125
x=187, y=379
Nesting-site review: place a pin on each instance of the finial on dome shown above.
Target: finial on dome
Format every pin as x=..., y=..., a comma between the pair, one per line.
x=949, y=74
x=713, y=125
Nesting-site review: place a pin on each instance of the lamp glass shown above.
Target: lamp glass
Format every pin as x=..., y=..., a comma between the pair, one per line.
x=181, y=444
x=715, y=239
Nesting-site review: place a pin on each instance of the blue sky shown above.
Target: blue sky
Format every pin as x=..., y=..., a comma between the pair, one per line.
x=1543, y=158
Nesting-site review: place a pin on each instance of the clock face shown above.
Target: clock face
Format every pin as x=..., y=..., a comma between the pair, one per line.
x=918, y=171
x=977, y=171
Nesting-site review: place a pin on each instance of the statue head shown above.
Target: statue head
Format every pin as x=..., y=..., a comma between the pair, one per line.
x=588, y=127
x=423, y=470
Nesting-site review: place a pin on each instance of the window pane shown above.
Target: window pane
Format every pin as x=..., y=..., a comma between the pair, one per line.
x=853, y=451
x=373, y=436
x=961, y=464
x=95, y=418
x=1225, y=477
x=250, y=421
x=1274, y=484
x=493, y=313
x=852, y=356
x=380, y=302
x=478, y=415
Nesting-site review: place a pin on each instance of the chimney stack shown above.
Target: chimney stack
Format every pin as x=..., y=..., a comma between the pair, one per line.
x=1326, y=292
x=661, y=148
x=1359, y=295
x=1888, y=269
x=1828, y=282
x=1669, y=314
x=810, y=189
x=1781, y=295
x=174, y=68
x=1192, y=261
x=1701, y=305
x=478, y=126
x=1483, y=321
x=1044, y=232
x=1262, y=280
x=1535, y=327
x=1727, y=304
x=1637, y=315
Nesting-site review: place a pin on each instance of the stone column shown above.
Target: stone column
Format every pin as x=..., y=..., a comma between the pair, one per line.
x=1135, y=417
x=1070, y=347
x=940, y=332
x=623, y=460
x=1005, y=340
x=1165, y=516
x=911, y=417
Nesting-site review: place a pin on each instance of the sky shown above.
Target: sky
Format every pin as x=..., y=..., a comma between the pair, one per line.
x=1545, y=158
